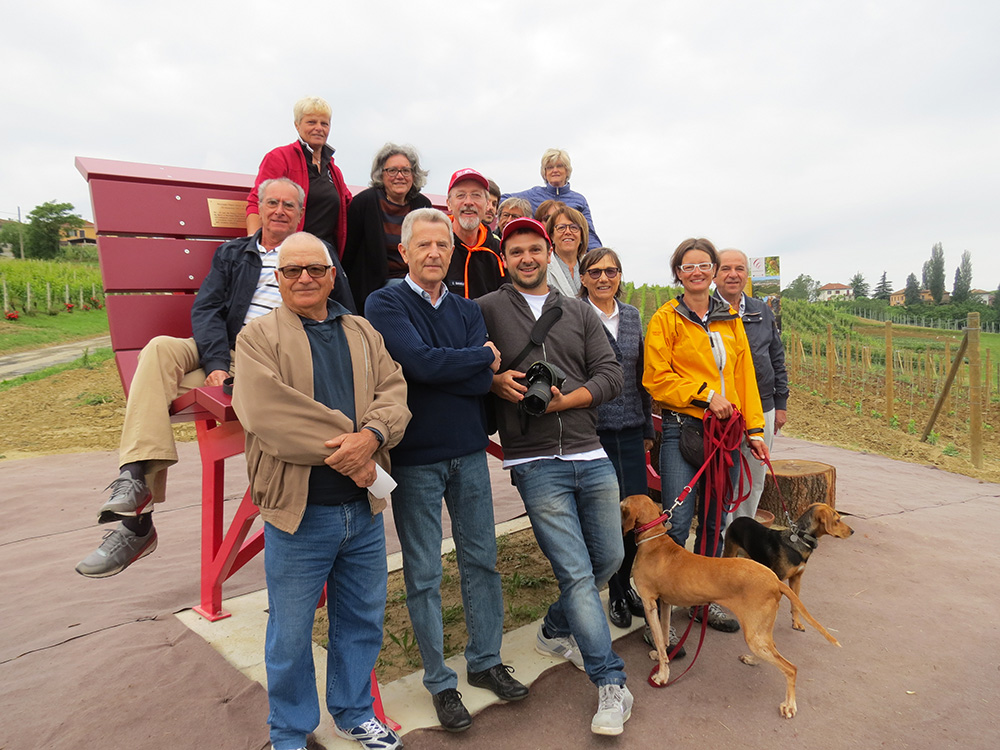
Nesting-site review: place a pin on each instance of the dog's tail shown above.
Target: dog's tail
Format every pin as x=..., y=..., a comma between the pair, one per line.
x=801, y=608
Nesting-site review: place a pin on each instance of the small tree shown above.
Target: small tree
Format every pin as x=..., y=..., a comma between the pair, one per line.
x=912, y=290
x=963, y=279
x=45, y=226
x=12, y=235
x=883, y=290
x=802, y=287
x=858, y=285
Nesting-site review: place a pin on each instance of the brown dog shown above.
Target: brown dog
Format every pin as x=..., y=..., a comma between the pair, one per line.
x=785, y=552
x=665, y=571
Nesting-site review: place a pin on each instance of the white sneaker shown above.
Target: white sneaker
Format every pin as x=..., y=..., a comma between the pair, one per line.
x=614, y=707
x=562, y=648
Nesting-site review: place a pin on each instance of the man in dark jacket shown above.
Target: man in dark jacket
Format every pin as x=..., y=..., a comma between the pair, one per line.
x=568, y=484
x=768, y=361
x=239, y=286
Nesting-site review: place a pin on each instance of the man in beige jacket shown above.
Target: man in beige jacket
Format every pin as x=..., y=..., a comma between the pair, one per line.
x=322, y=402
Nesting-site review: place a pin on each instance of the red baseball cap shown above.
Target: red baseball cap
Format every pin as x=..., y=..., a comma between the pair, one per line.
x=524, y=224
x=468, y=174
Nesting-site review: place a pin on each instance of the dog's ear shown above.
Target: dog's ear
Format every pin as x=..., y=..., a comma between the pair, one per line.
x=628, y=515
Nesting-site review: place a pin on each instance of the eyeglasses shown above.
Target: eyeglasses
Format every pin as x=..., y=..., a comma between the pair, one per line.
x=556, y=166
x=475, y=195
x=393, y=171
x=315, y=271
x=689, y=267
x=509, y=215
x=274, y=203
x=611, y=273
x=571, y=228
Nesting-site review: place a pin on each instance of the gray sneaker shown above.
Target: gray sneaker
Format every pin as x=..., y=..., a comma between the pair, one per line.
x=129, y=497
x=559, y=647
x=614, y=707
x=672, y=643
x=119, y=549
x=718, y=618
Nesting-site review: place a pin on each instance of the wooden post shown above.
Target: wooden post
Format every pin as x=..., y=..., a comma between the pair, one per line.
x=27, y=296
x=945, y=367
x=946, y=387
x=975, y=391
x=831, y=361
x=6, y=298
x=889, y=377
x=847, y=356
x=802, y=483
x=986, y=380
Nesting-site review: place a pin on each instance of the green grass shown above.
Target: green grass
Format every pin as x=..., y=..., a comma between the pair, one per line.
x=36, y=330
x=88, y=360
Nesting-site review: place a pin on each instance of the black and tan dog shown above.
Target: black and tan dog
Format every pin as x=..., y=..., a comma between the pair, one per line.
x=664, y=571
x=785, y=552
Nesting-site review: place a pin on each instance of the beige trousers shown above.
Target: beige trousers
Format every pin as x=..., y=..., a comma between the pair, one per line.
x=168, y=368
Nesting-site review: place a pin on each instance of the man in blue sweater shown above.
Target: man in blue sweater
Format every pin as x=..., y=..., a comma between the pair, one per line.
x=439, y=339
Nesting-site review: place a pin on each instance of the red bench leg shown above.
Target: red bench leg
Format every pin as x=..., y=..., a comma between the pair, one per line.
x=222, y=553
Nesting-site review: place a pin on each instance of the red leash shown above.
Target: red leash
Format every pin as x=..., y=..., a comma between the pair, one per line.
x=722, y=438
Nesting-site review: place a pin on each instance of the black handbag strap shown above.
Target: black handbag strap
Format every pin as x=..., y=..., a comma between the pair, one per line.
x=538, y=333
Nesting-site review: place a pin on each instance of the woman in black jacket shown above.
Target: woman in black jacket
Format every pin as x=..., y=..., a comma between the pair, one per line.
x=375, y=218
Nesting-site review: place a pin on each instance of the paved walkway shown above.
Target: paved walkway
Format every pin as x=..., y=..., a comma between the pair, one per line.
x=911, y=596
x=22, y=363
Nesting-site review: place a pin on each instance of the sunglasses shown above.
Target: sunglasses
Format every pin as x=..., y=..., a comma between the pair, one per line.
x=315, y=270
x=595, y=273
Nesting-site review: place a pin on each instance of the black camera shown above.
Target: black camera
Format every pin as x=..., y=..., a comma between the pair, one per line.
x=541, y=376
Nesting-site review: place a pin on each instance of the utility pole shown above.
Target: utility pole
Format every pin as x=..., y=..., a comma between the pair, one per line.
x=20, y=231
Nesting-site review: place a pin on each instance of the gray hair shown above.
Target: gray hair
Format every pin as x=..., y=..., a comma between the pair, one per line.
x=309, y=105
x=429, y=215
x=266, y=185
x=520, y=203
x=554, y=155
x=301, y=238
x=746, y=260
x=385, y=153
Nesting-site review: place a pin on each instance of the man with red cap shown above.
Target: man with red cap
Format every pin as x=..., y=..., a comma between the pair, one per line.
x=476, y=268
x=556, y=367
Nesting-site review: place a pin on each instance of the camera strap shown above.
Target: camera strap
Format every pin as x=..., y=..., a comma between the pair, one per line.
x=538, y=333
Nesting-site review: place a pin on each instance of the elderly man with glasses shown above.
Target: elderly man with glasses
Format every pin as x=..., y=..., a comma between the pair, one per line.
x=239, y=286
x=322, y=403
x=476, y=268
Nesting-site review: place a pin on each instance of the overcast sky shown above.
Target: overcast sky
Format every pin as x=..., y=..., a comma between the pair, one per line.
x=842, y=137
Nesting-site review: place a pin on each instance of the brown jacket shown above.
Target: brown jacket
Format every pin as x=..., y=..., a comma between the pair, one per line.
x=286, y=428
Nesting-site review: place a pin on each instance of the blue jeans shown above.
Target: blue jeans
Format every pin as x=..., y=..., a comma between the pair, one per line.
x=675, y=473
x=464, y=483
x=574, y=511
x=342, y=546
x=628, y=455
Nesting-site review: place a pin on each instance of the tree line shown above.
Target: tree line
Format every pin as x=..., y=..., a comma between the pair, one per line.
x=40, y=235
x=932, y=279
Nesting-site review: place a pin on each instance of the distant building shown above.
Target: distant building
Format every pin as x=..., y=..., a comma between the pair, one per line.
x=898, y=299
x=828, y=292
x=982, y=295
x=82, y=235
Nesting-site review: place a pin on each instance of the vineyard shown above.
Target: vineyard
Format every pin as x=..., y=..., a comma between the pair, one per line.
x=842, y=359
x=32, y=286
x=648, y=298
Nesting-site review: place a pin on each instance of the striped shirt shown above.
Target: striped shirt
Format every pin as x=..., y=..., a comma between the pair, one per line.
x=267, y=297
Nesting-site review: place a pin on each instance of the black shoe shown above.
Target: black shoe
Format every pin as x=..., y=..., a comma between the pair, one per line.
x=451, y=712
x=498, y=679
x=619, y=614
x=634, y=603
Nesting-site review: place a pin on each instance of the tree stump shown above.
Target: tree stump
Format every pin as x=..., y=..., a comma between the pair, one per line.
x=802, y=483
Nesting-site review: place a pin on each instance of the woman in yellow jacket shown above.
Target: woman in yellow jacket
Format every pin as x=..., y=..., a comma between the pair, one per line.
x=697, y=358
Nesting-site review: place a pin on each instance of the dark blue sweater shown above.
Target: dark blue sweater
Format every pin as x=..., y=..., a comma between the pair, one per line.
x=447, y=371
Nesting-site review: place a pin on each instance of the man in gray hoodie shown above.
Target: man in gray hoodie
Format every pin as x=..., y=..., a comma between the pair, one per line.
x=548, y=430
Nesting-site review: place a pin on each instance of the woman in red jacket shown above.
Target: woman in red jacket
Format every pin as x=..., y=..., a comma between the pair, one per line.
x=309, y=163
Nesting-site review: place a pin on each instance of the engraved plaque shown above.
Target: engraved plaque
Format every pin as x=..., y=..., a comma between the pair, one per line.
x=226, y=213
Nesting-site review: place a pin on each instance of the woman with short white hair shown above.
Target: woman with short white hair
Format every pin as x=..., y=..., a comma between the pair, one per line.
x=556, y=171
x=308, y=162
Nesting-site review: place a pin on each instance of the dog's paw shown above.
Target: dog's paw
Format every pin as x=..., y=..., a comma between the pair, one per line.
x=749, y=659
x=796, y=625
x=653, y=656
x=788, y=709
